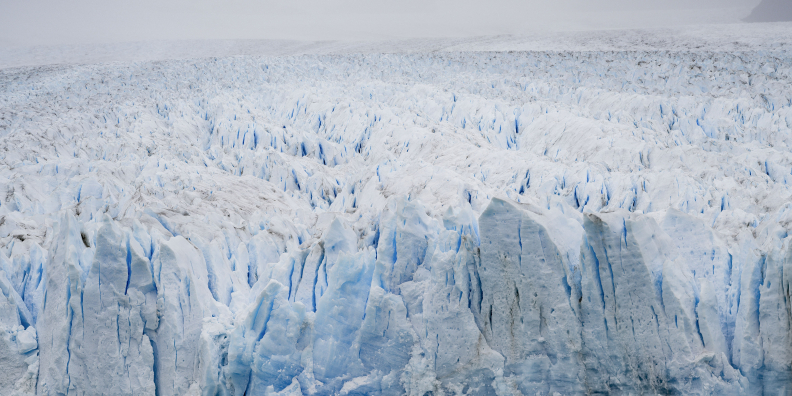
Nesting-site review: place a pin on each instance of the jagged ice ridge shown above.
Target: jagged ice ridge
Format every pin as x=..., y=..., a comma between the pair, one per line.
x=427, y=224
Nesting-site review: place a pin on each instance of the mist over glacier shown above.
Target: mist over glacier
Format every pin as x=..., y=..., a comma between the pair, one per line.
x=439, y=221
x=53, y=22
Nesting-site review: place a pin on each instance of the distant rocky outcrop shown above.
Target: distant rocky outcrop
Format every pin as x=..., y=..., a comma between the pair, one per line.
x=771, y=11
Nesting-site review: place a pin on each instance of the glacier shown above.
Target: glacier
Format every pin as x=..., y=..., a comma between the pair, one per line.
x=423, y=223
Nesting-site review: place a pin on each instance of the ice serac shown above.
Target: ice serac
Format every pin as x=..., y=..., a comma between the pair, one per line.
x=527, y=310
x=653, y=311
x=105, y=348
x=339, y=318
x=266, y=349
x=18, y=344
x=106, y=329
x=451, y=355
x=763, y=333
x=634, y=350
x=629, y=317
x=775, y=321
x=183, y=301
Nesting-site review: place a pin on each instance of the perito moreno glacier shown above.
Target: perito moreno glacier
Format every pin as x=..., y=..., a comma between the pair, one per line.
x=422, y=223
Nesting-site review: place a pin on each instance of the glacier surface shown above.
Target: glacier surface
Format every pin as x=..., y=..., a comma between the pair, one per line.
x=478, y=223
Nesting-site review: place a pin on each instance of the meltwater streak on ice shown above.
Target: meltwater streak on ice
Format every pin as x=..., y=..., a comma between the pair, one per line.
x=456, y=223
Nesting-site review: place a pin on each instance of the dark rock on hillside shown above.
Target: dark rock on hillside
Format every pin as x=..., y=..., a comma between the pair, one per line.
x=771, y=11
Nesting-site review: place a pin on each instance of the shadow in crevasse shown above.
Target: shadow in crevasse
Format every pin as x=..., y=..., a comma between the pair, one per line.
x=771, y=11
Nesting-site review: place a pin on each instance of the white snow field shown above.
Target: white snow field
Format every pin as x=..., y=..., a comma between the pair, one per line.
x=422, y=223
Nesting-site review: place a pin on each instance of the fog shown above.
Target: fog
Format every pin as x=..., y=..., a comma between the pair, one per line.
x=46, y=22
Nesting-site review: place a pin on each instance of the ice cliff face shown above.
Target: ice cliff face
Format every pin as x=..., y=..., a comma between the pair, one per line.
x=461, y=223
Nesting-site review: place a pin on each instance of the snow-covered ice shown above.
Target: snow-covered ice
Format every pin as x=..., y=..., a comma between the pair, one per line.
x=481, y=223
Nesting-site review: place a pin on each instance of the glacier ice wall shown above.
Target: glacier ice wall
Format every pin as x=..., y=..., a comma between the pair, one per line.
x=456, y=223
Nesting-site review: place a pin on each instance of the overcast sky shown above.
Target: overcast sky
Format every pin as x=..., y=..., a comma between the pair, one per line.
x=34, y=22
